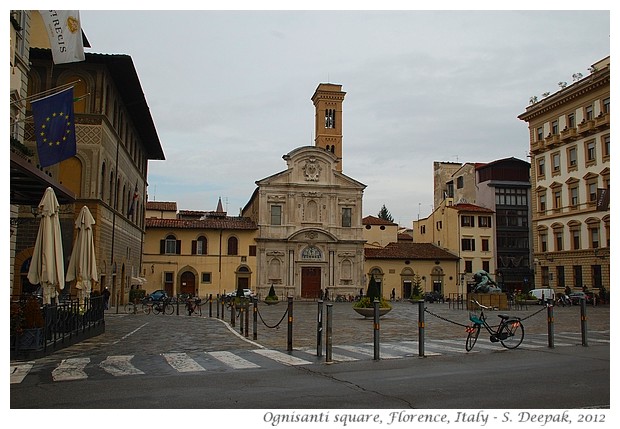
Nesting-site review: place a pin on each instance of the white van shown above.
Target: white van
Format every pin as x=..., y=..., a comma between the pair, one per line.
x=543, y=294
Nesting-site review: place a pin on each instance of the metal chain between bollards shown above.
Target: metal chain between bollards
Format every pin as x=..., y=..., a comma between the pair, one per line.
x=277, y=325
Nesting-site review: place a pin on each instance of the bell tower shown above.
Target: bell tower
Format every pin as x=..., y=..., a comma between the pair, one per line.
x=327, y=99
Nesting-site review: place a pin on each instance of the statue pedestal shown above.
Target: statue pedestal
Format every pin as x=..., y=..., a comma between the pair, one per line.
x=498, y=301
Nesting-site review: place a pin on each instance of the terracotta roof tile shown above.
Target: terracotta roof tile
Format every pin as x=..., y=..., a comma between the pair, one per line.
x=466, y=207
x=209, y=223
x=161, y=205
x=373, y=220
x=405, y=250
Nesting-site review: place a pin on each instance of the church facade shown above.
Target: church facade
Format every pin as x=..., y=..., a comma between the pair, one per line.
x=309, y=216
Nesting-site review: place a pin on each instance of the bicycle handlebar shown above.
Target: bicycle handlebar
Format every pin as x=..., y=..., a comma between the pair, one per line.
x=480, y=305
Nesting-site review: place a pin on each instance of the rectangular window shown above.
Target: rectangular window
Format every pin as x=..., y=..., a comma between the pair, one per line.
x=438, y=225
x=539, y=133
x=459, y=182
x=597, y=276
x=469, y=267
x=467, y=221
x=485, y=244
x=169, y=281
x=544, y=272
x=592, y=192
x=541, y=167
x=589, y=112
x=571, y=120
x=577, y=276
x=543, y=242
x=574, y=196
x=556, y=162
x=484, y=221
x=557, y=199
x=594, y=239
x=486, y=266
x=468, y=244
x=205, y=277
x=276, y=215
x=252, y=250
x=576, y=236
x=606, y=146
x=590, y=151
x=560, y=276
x=559, y=241
x=542, y=203
x=346, y=217
x=572, y=157
x=606, y=106
x=555, y=128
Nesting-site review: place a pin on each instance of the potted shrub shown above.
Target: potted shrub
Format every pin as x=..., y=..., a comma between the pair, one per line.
x=271, y=297
x=366, y=307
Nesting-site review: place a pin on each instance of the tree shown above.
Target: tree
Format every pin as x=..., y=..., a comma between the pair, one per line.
x=416, y=292
x=373, y=290
x=384, y=214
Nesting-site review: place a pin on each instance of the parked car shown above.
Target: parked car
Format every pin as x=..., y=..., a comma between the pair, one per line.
x=432, y=297
x=158, y=295
x=246, y=292
x=576, y=297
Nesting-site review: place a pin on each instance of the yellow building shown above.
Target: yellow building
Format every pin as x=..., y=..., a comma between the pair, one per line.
x=200, y=253
x=570, y=143
x=396, y=264
x=467, y=230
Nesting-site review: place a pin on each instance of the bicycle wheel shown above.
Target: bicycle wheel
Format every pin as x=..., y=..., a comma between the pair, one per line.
x=146, y=308
x=472, y=337
x=168, y=309
x=157, y=308
x=511, y=333
x=130, y=308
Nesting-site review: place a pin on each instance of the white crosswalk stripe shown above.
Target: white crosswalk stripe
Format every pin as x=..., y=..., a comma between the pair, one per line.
x=232, y=360
x=70, y=369
x=125, y=365
x=19, y=371
x=119, y=366
x=182, y=362
x=281, y=357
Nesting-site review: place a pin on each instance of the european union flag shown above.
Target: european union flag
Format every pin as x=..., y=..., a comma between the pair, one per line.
x=54, y=127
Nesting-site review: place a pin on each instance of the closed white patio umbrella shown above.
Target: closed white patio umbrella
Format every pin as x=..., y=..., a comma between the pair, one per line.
x=83, y=262
x=47, y=264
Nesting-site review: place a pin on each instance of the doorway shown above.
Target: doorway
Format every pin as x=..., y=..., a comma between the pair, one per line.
x=310, y=282
x=188, y=283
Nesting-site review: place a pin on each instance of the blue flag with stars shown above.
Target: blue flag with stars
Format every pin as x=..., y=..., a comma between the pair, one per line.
x=54, y=127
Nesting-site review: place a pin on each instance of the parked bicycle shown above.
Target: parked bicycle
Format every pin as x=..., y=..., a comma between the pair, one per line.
x=192, y=305
x=509, y=332
x=161, y=306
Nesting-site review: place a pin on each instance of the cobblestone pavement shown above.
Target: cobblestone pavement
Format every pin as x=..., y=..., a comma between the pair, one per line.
x=401, y=324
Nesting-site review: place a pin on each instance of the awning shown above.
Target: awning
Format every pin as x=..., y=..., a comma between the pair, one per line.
x=138, y=281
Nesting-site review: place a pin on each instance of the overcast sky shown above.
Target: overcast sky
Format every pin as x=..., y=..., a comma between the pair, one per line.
x=229, y=91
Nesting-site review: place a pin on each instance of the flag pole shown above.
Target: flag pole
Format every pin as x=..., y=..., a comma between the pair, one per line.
x=46, y=92
x=30, y=117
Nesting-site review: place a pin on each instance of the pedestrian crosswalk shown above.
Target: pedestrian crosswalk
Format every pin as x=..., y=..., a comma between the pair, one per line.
x=81, y=368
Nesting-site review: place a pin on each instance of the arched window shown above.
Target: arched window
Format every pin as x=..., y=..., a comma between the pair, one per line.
x=170, y=245
x=199, y=246
x=233, y=245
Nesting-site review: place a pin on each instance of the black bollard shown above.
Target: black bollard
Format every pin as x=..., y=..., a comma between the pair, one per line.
x=289, y=343
x=584, y=323
x=247, y=318
x=319, y=329
x=210, y=305
x=241, y=314
x=328, y=334
x=232, y=314
x=255, y=313
x=550, y=330
x=376, y=328
x=421, y=328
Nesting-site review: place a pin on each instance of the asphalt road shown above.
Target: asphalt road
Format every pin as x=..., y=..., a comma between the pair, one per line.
x=178, y=362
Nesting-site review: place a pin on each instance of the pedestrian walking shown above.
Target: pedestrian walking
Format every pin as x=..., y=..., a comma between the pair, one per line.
x=106, y=298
